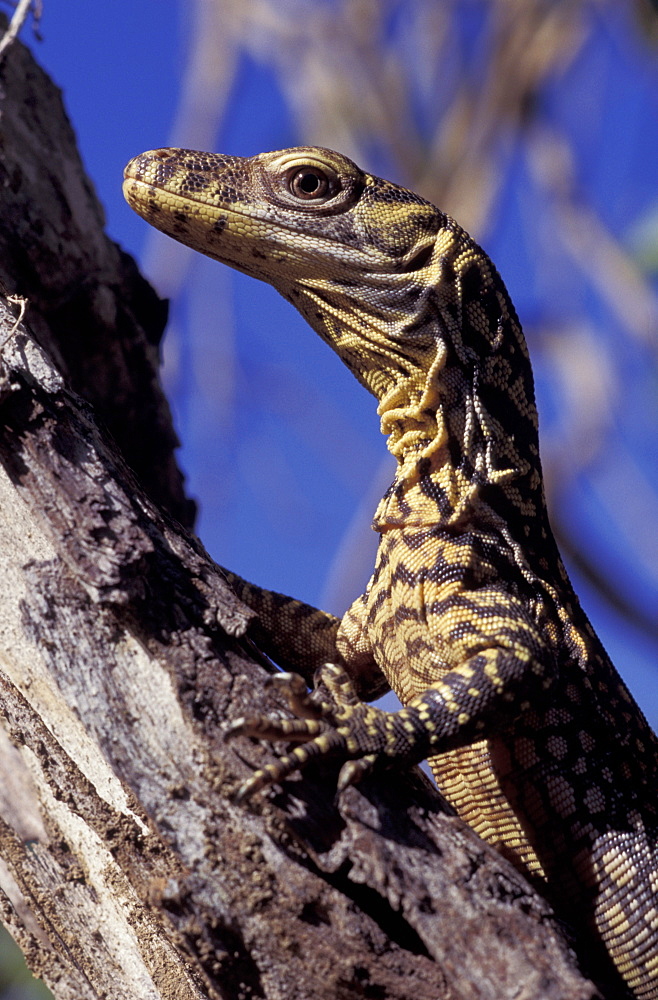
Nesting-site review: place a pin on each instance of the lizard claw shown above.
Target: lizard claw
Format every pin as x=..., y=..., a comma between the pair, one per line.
x=263, y=727
x=303, y=703
x=353, y=771
x=273, y=773
x=331, y=720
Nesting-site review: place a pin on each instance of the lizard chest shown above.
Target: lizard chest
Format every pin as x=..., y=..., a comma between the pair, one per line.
x=519, y=786
x=416, y=646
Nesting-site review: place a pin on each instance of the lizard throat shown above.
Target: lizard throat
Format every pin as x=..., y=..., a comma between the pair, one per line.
x=413, y=420
x=428, y=488
x=448, y=450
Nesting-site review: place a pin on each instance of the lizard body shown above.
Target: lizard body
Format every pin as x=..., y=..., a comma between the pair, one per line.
x=470, y=616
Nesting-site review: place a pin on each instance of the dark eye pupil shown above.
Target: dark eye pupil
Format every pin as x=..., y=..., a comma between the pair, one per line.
x=309, y=183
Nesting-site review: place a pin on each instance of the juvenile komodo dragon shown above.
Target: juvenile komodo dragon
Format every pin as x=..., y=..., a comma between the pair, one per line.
x=469, y=616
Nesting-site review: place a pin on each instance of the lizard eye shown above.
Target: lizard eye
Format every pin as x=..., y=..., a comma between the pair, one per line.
x=309, y=183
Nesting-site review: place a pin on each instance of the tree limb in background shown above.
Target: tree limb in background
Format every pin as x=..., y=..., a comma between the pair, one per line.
x=18, y=19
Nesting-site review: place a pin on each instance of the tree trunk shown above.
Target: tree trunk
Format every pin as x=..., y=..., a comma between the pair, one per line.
x=126, y=868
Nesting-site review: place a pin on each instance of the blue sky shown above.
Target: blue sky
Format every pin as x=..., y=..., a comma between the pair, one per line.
x=280, y=445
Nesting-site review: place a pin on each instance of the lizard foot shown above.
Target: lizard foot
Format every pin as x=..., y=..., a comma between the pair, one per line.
x=331, y=721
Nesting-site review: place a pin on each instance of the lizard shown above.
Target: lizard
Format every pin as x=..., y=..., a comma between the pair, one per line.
x=469, y=616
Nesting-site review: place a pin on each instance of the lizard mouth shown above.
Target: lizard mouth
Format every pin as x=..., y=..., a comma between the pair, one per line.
x=204, y=217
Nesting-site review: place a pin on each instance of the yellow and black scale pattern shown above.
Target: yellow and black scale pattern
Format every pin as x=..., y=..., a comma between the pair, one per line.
x=469, y=615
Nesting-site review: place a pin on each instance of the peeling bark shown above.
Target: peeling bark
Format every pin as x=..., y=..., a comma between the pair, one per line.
x=126, y=868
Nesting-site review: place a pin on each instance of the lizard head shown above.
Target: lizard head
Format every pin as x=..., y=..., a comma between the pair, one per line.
x=404, y=296
x=349, y=250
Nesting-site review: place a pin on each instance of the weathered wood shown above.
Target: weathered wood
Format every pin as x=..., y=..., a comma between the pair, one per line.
x=126, y=868
x=89, y=307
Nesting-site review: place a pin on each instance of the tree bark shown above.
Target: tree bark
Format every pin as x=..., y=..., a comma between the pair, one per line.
x=126, y=868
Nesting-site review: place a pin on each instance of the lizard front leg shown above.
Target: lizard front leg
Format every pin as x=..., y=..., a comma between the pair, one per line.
x=496, y=681
x=302, y=638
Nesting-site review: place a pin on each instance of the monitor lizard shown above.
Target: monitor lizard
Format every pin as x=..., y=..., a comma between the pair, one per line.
x=469, y=616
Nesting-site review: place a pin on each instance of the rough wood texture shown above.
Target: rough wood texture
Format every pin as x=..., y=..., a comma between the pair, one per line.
x=126, y=870
x=89, y=307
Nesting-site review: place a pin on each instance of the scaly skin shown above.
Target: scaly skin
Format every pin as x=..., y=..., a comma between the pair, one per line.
x=469, y=616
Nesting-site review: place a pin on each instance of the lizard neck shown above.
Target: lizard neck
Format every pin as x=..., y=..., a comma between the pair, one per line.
x=437, y=341
x=427, y=486
x=459, y=464
x=457, y=467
